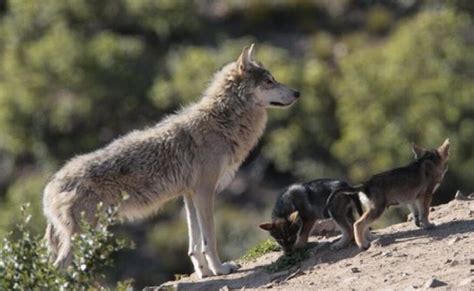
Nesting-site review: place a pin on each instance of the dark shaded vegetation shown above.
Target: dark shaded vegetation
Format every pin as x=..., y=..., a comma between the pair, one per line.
x=374, y=76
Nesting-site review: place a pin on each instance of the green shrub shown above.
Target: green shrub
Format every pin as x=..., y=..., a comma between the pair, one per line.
x=25, y=264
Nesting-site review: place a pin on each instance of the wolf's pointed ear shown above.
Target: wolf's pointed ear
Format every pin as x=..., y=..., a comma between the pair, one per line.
x=294, y=216
x=266, y=226
x=417, y=150
x=443, y=150
x=244, y=61
x=251, y=52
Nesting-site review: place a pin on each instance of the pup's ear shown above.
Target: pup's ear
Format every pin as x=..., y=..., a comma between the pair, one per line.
x=294, y=217
x=417, y=150
x=443, y=150
x=266, y=226
x=245, y=59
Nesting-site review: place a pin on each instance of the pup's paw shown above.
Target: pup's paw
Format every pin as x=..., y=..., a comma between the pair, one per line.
x=299, y=245
x=363, y=245
x=227, y=268
x=338, y=245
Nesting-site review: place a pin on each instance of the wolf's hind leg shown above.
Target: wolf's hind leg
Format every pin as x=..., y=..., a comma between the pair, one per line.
x=194, y=232
x=361, y=225
x=423, y=204
x=204, y=204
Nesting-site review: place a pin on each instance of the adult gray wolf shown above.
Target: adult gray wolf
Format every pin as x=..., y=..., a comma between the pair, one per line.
x=301, y=205
x=193, y=153
x=412, y=185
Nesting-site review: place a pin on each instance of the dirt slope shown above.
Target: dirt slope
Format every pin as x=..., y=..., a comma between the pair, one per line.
x=402, y=258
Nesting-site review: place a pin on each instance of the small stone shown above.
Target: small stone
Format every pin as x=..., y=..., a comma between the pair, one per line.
x=460, y=196
x=311, y=283
x=224, y=288
x=454, y=240
x=454, y=263
x=404, y=274
x=433, y=283
x=355, y=270
x=376, y=243
x=387, y=254
x=268, y=286
x=279, y=274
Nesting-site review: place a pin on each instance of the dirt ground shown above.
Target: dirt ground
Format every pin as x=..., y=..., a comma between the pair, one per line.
x=402, y=258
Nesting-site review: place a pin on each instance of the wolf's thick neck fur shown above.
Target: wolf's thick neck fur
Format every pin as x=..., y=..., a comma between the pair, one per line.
x=230, y=109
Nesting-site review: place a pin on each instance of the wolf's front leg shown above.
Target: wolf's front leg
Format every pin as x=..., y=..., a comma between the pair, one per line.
x=194, y=232
x=204, y=203
x=415, y=213
x=423, y=204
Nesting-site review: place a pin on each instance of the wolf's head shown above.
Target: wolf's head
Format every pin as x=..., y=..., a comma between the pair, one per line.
x=260, y=84
x=438, y=159
x=284, y=230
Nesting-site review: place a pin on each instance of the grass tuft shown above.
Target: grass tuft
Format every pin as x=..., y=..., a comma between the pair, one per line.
x=259, y=250
x=287, y=261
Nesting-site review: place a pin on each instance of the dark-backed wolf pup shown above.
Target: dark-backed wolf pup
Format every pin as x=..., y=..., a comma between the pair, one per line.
x=412, y=185
x=300, y=205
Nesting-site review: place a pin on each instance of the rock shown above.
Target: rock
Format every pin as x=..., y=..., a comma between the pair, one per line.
x=454, y=240
x=387, y=254
x=279, y=274
x=376, y=243
x=434, y=283
x=460, y=196
x=376, y=254
x=355, y=270
x=224, y=288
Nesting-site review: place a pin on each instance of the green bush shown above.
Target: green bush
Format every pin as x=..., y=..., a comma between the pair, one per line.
x=25, y=264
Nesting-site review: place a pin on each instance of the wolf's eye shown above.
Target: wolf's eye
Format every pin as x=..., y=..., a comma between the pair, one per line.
x=269, y=82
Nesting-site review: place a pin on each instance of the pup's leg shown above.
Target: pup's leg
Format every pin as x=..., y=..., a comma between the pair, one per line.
x=194, y=233
x=304, y=233
x=416, y=214
x=344, y=223
x=204, y=204
x=361, y=225
x=423, y=203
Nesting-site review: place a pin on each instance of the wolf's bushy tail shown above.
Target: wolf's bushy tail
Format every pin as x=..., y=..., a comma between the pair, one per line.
x=52, y=241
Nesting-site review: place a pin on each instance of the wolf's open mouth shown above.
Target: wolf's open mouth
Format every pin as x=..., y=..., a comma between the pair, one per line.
x=278, y=104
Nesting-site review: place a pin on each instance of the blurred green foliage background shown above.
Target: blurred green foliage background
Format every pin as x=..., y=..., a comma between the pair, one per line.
x=374, y=77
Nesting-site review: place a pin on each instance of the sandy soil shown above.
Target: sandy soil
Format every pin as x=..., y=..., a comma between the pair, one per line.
x=402, y=258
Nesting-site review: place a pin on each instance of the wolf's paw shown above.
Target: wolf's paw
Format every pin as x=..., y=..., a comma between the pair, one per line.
x=227, y=268
x=203, y=272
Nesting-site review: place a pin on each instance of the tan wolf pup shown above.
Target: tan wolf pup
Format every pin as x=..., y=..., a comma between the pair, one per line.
x=412, y=185
x=194, y=153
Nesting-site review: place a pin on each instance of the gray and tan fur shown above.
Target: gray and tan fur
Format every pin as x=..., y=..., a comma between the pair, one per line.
x=412, y=185
x=194, y=153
